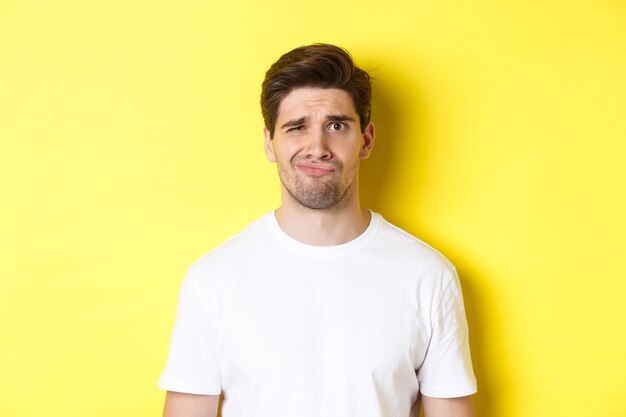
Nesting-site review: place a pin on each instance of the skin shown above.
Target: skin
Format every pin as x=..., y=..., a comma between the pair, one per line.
x=178, y=404
x=317, y=146
x=448, y=407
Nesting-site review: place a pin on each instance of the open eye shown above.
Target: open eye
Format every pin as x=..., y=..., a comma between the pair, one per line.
x=336, y=126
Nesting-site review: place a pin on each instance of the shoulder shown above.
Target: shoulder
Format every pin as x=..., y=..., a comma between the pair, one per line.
x=234, y=251
x=410, y=260
x=404, y=244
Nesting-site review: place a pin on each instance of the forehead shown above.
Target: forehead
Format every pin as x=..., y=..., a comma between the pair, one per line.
x=315, y=101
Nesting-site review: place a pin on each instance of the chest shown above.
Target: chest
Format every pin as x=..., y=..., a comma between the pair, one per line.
x=332, y=326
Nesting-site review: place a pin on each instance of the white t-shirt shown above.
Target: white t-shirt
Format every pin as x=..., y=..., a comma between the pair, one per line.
x=285, y=329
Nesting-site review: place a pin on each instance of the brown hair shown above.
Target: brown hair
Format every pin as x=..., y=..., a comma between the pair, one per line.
x=318, y=65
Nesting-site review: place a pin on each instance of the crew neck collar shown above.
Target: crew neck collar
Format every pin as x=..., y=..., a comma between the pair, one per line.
x=320, y=251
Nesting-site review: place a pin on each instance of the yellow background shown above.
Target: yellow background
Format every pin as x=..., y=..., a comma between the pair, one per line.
x=131, y=143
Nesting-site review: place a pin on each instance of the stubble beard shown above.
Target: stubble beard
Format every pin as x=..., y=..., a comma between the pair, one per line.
x=317, y=193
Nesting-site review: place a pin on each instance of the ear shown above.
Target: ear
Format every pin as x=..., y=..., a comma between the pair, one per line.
x=269, y=146
x=368, y=141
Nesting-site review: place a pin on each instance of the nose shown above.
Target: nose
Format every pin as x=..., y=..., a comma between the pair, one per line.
x=317, y=145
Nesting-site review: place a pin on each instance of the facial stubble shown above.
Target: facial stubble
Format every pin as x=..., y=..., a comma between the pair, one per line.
x=317, y=193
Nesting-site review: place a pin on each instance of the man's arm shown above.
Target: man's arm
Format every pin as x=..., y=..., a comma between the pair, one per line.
x=178, y=404
x=448, y=407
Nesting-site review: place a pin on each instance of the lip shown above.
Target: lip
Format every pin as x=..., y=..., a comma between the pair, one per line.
x=315, y=170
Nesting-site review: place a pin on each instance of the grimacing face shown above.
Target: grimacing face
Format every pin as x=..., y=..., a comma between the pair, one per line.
x=317, y=146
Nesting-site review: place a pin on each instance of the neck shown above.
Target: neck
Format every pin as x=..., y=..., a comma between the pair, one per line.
x=327, y=227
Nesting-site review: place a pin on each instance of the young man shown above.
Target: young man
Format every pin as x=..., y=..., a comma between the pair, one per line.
x=321, y=308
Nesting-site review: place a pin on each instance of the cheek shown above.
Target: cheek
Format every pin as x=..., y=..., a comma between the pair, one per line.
x=347, y=151
x=283, y=153
x=286, y=151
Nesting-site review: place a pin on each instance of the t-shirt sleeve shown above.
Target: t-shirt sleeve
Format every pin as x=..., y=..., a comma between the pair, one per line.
x=446, y=371
x=192, y=366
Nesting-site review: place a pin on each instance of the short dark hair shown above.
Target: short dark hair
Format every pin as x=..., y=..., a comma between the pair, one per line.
x=317, y=65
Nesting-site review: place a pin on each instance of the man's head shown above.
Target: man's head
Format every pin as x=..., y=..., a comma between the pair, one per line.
x=315, y=66
x=316, y=106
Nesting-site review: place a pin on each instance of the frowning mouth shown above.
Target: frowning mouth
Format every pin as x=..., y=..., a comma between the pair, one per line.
x=315, y=170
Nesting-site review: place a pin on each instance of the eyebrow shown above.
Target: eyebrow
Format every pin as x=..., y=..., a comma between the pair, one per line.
x=294, y=122
x=332, y=118
x=340, y=118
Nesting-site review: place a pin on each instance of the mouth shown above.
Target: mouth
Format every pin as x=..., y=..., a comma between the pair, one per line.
x=315, y=170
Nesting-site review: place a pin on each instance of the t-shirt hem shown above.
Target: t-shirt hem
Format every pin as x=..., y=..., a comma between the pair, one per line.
x=174, y=385
x=447, y=391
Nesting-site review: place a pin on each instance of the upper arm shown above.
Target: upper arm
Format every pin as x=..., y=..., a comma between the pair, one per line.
x=178, y=404
x=448, y=407
x=446, y=369
x=192, y=365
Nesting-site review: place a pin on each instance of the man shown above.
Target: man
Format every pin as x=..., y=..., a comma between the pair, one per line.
x=321, y=308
